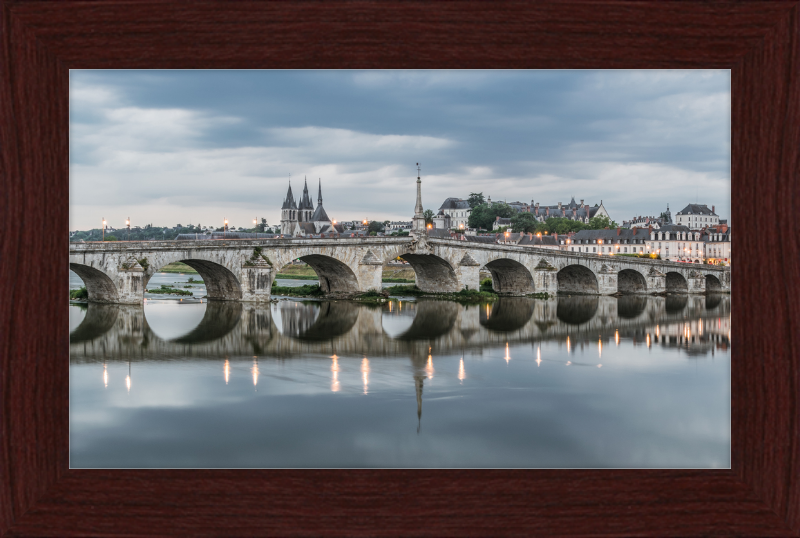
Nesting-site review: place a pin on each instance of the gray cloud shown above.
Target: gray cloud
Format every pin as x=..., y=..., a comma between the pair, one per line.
x=194, y=146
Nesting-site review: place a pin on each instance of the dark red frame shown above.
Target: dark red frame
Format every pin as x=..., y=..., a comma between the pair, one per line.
x=757, y=40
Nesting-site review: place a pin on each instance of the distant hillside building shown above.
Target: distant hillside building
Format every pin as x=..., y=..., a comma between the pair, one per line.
x=573, y=211
x=654, y=222
x=302, y=219
x=697, y=216
x=454, y=213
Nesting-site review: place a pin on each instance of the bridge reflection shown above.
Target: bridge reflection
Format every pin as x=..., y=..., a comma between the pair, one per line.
x=241, y=333
x=295, y=328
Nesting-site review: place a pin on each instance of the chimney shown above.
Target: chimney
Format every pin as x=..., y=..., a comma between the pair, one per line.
x=618, y=230
x=547, y=211
x=649, y=229
x=712, y=209
x=555, y=234
x=634, y=230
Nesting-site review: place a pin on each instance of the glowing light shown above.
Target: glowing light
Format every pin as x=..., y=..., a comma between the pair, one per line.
x=400, y=305
x=569, y=362
x=488, y=311
x=390, y=306
x=538, y=356
x=105, y=375
x=600, y=348
x=335, y=374
x=227, y=370
x=461, y=373
x=616, y=336
x=648, y=339
x=507, y=357
x=599, y=365
x=658, y=334
x=429, y=371
x=569, y=345
x=128, y=382
x=365, y=373
x=255, y=372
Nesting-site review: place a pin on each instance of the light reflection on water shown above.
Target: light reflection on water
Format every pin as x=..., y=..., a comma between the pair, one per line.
x=567, y=382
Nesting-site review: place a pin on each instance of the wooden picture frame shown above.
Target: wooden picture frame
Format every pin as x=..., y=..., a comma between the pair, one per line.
x=759, y=41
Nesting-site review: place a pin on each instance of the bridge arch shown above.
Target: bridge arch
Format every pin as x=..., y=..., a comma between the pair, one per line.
x=99, y=285
x=713, y=284
x=334, y=275
x=676, y=283
x=432, y=272
x=221, y=283
x=510, y=276
x=577, y=279
x=631, y=281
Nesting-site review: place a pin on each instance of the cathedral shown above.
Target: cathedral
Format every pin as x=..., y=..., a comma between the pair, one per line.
x=302, y=219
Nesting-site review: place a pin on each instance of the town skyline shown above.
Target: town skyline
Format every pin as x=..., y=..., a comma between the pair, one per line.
x=169, y=147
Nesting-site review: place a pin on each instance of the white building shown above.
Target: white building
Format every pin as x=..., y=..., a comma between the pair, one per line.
x=697, y=216
x=717, y=242
x=458, y=212
x=677, y=243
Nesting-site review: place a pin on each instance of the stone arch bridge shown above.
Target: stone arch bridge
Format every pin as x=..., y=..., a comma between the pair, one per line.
x=243, y=270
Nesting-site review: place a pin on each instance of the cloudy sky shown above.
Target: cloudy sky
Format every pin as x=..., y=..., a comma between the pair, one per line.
x=168, y=147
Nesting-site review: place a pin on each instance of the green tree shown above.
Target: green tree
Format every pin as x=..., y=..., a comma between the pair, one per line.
x=111, y=238
x=483, y=217
x=524, y=222
x=375, y=226
x=476, y=199
x=428, y=214
x=599, y=223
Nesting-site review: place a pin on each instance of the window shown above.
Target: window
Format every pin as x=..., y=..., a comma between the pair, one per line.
x=593, y=249
x=572, y=249
x=625, y=249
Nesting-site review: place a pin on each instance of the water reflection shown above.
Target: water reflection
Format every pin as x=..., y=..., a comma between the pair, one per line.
x=293, y=352
x=290, y=328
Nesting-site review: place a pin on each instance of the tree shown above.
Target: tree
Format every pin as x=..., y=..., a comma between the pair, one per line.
x=483, y=217
x=599, y=223
x=375, y=226
x=428, y=214
x=111, y=238
x=476, y=199
x=524, y=222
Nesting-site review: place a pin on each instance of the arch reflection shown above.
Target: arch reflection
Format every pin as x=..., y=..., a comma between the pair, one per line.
x=577, y=310
x=507, y=314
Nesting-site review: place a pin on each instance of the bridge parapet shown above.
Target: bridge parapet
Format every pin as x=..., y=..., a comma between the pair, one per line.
x=118, y=272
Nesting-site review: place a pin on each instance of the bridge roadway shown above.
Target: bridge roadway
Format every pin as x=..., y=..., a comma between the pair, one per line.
x=118, y=272
x=243, y=330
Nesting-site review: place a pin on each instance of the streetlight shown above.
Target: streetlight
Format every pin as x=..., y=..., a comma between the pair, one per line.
x=104, y=228
x=128, y=224
x=224, y=227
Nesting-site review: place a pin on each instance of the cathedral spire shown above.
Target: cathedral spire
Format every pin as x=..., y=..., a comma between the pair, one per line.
x=319, y=195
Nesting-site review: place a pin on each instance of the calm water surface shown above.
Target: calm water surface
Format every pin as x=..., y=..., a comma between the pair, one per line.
x=567, y=382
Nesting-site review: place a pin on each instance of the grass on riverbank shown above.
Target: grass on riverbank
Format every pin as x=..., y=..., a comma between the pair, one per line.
x=463, y=296
x=309, y=290
x=166, y=290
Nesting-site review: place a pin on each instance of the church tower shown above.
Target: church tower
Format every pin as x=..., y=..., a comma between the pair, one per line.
x=305, y=208
x=289, y=213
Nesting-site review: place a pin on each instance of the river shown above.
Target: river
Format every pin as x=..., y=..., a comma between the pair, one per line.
x=568, y=382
